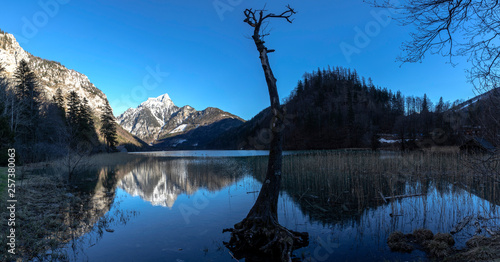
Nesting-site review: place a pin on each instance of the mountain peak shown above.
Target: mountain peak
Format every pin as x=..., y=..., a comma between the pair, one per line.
x=161, y=101
x=164, y=97
x=158, y=117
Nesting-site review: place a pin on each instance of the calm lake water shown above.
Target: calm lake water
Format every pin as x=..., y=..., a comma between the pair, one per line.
x=173, y=206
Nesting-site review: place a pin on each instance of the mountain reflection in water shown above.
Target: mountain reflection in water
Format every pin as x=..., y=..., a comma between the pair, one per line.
x=161, y=182
x=183, y=203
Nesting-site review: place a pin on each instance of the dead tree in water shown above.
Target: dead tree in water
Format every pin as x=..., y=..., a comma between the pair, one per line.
x=260, y=232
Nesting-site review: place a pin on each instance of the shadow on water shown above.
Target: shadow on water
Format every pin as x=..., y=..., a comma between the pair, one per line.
x=363, y=197
x=173, y=208
x=158, y=181
x=93, y=208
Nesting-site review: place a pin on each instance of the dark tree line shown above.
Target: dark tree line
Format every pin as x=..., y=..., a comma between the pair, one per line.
x=40, y=128
x=336, y=108
x=79, y=122
x=458, y=28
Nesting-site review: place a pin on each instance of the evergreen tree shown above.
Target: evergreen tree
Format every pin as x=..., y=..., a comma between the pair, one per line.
x=440, y=106
x=59, y=99
x=79, y=122
x=72, y=119
x=425, y=105
x=300, y=88
x=73, y=110
x=108, y=128
x=28, y=96
x=86, y=123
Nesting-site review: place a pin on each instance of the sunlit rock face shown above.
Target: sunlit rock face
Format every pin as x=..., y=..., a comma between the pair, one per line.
x=161, y=182
x=51, y=75
x=159, y=118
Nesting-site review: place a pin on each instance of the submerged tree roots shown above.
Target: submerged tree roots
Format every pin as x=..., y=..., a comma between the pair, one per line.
x=257, y=240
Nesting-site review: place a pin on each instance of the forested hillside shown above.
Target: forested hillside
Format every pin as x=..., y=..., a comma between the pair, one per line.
x=336, y=108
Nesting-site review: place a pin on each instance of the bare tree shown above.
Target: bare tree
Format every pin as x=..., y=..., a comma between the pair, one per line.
x=453, y=28
x=260, y=232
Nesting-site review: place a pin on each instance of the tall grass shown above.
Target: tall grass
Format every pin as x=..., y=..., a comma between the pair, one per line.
x=330, y=185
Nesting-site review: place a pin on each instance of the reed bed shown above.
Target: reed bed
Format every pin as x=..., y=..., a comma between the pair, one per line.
x=367, y=195
x=334, y=184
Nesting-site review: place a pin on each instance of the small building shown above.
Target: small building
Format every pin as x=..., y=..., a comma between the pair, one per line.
x=477, y=145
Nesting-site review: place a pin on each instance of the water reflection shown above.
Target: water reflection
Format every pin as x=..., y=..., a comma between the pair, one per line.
x=94, y=208
x=160, y=181
x=184, y=203
x=345, y=194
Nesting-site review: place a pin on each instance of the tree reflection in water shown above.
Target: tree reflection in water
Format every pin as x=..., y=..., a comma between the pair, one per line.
x=337, y=194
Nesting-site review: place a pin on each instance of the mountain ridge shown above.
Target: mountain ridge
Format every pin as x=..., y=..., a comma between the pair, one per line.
x=158, y=118
x=51, y=75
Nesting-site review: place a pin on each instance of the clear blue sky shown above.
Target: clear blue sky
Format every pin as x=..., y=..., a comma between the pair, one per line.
x=205, y=57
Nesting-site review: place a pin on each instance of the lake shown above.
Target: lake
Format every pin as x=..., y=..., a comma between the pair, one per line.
x=173, y=206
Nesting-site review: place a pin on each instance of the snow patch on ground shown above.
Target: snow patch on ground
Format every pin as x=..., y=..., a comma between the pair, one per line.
x=383, y=140
x=179, y=129
x=178, y=142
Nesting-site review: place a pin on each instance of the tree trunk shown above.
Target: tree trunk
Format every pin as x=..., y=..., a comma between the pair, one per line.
x=259, y=236
x=267, y=201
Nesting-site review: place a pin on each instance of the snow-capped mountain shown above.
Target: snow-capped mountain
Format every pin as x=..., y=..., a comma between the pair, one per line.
x=159, y=118
x=146, y=121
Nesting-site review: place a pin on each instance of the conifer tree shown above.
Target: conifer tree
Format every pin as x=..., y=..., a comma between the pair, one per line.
x=73, y=110
x=72, y=119
x=440, y=106
x=86, y=123
x=108, y=128
x=425, y=104
x=59, y=99
x=79, y=121
x=28, y=98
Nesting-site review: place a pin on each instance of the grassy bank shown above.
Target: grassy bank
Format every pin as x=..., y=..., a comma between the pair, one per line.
x=54, y=211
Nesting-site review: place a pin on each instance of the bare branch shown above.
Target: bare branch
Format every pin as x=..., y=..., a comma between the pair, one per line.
x=453, y=28
x=256, y=19
x=286, y=15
